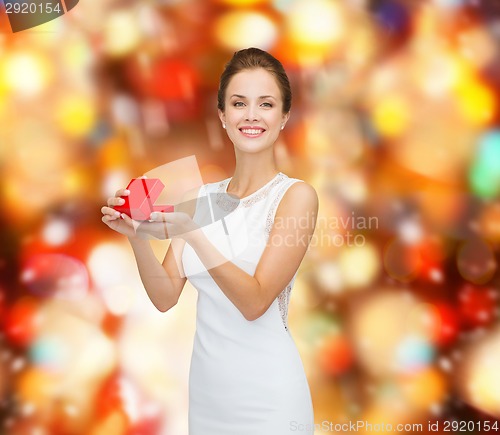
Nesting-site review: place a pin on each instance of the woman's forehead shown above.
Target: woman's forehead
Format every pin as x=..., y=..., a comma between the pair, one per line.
x=253, y=82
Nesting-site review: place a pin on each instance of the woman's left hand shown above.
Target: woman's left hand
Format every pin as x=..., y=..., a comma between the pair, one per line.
x=176, y=224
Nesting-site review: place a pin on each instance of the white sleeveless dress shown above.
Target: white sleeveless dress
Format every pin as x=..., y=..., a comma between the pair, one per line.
x=246, y=377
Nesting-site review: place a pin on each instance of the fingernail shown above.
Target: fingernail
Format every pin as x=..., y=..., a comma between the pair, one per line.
x=117, y=213
x=127, y=191
x=153, y=215
x=122, y=215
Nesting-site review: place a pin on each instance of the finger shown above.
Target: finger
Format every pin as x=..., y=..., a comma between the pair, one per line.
x=122, y=192
x=106, y=219
x=143, y=176
x=157, y=216
x=110, y=211
x=115, y=201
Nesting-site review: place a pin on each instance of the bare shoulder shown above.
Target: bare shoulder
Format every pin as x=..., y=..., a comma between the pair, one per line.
x=301, y=193
x=300, y=199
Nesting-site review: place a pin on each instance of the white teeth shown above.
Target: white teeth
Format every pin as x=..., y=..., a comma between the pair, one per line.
x=251, y=131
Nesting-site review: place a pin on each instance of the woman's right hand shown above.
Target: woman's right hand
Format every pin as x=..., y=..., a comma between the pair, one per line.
x=124, y=224
x=121, y=223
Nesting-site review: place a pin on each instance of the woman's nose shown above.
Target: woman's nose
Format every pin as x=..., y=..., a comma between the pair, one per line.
x=251, y=113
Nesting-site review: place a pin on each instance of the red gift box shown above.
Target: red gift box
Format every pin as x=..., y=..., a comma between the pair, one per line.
x=140, y=203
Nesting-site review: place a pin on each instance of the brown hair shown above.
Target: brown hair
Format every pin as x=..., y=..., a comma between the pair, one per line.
x=253, y=58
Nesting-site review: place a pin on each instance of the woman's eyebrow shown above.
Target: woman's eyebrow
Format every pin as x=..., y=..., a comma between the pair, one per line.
x=261, y=97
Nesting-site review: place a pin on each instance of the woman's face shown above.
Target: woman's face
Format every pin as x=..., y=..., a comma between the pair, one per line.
x=253, y=110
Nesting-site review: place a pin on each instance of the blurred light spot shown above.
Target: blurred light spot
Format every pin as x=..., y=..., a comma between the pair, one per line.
x=237, y=29
x=446, y=324
x=77, y=53
x=401, y=261
x=445, y=364
x=114, y=153
x=115, y=422
x=118, y=298
x=354, y=188
x=335, y=355
x=76, y=348
x=329, y=277
x=477, y=306
x=71, y=410
x=484, y=174
x=478, y=46
x=22, y=321
x=413, y=354
x=424, y=389
x=410, y=231
x=18, y=364
x=75, y=114
x=476, y=101
x=242, y=2
x=114, y=272
x=125, y=110
x=108, y=264
x=315, y=24
x=489, y=222
x=48, y=353
x=449, y=4
x=55, y=275
x=318, y=326
x=283, y=6
x=155, y=118
x=56, y=232
x=422, y=320
x=27, y=73
x=359, y=265
x=121, y=33
x=476, y=261
x=113, y=181
x=482, y=377
x=150, y=21
x=437, y=73
x=36, y=387
x=391, y=116
x=379, y=325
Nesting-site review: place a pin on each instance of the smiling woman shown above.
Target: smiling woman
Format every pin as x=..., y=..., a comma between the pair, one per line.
x=246, y=375
x=254, y=110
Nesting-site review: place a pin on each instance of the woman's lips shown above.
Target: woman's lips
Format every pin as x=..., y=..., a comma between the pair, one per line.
x=252, y=131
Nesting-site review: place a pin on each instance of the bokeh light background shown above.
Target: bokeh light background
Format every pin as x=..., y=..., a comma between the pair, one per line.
x=395, y=122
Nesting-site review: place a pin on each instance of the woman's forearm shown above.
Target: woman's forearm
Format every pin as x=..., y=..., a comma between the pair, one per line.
x=241, y=288
x=155, y=279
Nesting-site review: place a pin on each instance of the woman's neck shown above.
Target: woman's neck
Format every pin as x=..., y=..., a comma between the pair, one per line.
x=251, y=174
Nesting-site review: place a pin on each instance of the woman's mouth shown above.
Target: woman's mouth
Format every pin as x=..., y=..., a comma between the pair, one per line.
x=252, y=132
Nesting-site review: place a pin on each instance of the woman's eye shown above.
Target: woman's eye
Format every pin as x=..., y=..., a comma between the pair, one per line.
x=267, y=104
x=238, y=104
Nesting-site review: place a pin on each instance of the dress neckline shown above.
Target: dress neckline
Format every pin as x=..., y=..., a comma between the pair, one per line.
x=253, y=193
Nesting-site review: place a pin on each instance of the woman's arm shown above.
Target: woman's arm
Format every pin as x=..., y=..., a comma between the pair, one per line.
x=286, y=247
x=163, y=282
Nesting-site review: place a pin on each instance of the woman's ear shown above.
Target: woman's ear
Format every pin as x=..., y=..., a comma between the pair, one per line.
x=222, y=117
x=285, y=119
